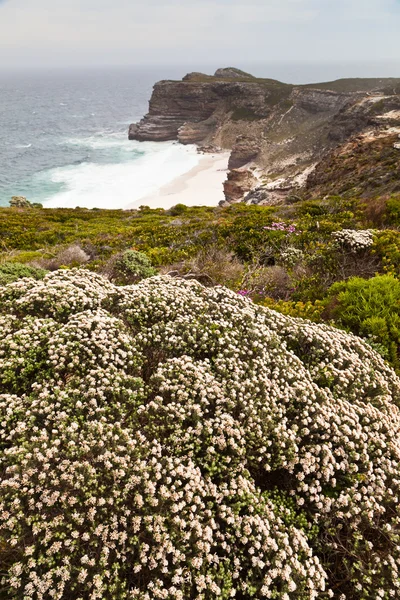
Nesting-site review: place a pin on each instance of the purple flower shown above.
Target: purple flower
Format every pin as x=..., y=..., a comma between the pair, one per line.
x=281, y=227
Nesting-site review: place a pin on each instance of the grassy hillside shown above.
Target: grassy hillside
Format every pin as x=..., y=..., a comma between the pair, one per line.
x=347, y=85
x=357, y=84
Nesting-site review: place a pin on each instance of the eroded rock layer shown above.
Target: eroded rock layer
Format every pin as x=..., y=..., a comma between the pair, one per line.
x=277, y=130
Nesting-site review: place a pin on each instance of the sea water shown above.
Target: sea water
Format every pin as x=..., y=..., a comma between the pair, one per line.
x=64, y=138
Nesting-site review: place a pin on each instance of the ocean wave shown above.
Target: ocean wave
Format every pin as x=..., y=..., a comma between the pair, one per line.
x=94, y=185
x=100, y=142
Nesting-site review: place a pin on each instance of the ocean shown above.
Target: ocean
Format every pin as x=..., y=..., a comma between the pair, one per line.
x=64, y=138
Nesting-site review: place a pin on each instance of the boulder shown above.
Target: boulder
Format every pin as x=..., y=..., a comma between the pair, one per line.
x=239, y=183
x=20, y=202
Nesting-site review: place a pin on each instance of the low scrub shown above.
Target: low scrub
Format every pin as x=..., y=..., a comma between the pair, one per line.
x=370, y=308
x=11, y=271
x=72, y=256
x=211, y=266
x=128, y=267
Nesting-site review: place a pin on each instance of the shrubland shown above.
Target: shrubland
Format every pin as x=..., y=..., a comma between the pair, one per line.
x=171, y=440
x=169, y=426
x=287, y=257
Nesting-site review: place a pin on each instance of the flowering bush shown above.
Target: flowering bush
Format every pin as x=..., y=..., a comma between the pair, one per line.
x=291, y=256
x=354, y=240
x=166, y=440
x=281, y=226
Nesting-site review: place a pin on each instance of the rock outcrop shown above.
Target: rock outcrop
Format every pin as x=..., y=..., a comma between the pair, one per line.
x=238, y=184
x=20, y=202
x=175, y=104
x=232, y=73
x=280, y=129
x=244, y=151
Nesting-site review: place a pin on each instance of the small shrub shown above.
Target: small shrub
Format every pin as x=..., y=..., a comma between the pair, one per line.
x=73, y=256
x=291, y=256
x=312, y=208
x=387, y=248
x=354, y=241
x=274, y=282
x=11, y=271
x=129, y=267
x=376, y=211
x=211, y=266
x=370, y=308
x=393, y=211
x=178, y=209
x=302, y=310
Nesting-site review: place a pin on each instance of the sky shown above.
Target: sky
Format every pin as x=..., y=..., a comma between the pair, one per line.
x=64, y=33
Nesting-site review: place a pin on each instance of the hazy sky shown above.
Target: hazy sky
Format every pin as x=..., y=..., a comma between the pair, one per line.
x=217, y=32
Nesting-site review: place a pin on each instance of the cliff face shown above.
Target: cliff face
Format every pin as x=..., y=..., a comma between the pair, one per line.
x=171, y=106
x=192, y=110
x=277, y=132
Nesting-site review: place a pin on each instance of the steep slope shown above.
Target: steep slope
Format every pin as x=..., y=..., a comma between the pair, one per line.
x=277, y=132
x=365, y=167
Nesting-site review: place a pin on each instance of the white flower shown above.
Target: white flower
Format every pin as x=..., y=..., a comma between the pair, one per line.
x=182, y=441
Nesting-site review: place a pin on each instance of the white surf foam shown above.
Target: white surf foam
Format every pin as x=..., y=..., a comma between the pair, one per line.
x=93, y=185
x=99, y=142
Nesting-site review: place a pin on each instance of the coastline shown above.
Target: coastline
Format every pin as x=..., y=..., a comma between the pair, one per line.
x=201, y=186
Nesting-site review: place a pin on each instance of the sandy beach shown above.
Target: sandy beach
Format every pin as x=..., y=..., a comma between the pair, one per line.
x=201, y=186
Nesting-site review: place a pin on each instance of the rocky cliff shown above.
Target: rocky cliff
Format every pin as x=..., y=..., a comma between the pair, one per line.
x=277, y=133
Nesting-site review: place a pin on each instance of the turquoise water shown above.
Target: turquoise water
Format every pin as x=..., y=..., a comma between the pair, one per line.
x=63, y=138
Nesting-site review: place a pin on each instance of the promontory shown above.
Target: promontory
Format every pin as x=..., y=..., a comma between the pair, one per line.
x=284, y=139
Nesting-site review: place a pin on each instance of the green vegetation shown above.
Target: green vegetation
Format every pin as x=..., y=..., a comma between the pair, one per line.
x=244, y=114
x=11, y=271
x=370, y=308
x=286, y=257
x=129, y=267
x=369, y=169
x=356, y=84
